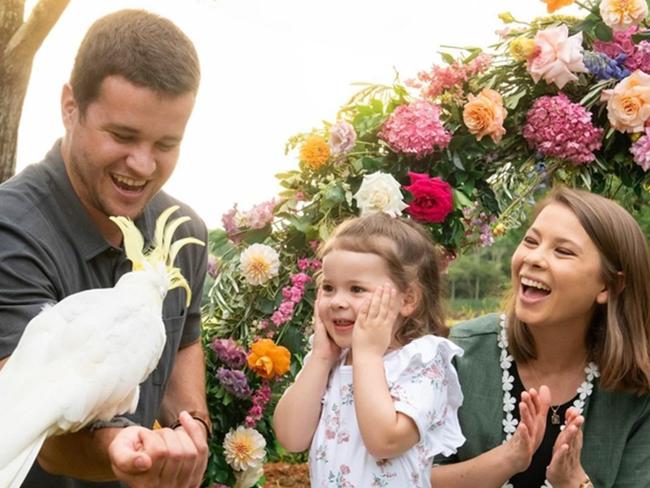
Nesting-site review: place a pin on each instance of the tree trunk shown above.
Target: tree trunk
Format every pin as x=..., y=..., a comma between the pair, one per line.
x=19, y=42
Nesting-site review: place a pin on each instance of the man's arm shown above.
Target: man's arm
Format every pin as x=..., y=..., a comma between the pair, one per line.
x=186, y=387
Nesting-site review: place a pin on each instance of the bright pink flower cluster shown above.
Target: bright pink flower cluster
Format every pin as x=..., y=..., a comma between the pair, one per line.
x=261, y=398
x=641, y=150
x=291, y=297
x=257, y=217
x=415, y=129
x=440, y=78
x=559, y=128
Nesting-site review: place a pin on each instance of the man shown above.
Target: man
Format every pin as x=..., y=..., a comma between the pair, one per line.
x=130, y=95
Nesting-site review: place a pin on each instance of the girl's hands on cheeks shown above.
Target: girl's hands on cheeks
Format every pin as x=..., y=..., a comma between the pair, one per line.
x=565, y=470
x=324, y=347
x=373, y=329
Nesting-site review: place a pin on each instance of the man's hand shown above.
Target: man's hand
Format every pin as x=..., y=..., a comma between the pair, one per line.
x=163, y=458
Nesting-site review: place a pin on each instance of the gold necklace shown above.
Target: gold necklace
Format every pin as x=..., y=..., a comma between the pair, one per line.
x=555, y=416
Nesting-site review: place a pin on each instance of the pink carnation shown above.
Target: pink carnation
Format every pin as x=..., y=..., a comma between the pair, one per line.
x=415, y=129
x=641, y=150
x=558, y=128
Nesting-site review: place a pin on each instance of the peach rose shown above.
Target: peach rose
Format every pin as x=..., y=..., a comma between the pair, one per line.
x=484, y=115
x=628, y=103
x=268, y=359
x=558, y=56
x=621, y=14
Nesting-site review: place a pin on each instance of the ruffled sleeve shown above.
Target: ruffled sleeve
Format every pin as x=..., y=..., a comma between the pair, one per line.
x=424, y=385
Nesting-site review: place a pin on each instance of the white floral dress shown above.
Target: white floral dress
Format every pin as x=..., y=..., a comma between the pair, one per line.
x=424, y=386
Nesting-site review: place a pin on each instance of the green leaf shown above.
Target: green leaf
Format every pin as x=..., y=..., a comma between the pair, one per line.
x=455, y=158
x=447, y=58
x=603, y=32
x=461, y=199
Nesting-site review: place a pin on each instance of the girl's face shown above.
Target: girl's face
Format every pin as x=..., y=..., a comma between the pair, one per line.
x=349, y=278
x=556, y=272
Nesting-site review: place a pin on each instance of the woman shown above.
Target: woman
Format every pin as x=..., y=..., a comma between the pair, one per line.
x=579, y=324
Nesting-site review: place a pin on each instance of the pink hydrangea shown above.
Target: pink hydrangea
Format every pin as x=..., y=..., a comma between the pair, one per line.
x=415, y=129
x=621, y=43
x=559, y=128
x=641, y=150
x=640, y=59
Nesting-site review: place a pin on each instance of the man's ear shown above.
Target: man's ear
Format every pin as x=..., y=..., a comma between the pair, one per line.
x=411, y=299
x=69, y=107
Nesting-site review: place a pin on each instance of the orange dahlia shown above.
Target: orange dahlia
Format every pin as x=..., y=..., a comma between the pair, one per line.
x=268, y=359
x=314, y=152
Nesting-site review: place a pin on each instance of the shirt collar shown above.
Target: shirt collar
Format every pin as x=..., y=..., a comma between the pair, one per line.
x=75, y=221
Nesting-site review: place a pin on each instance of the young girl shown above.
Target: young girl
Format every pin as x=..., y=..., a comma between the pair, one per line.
x=377, y=396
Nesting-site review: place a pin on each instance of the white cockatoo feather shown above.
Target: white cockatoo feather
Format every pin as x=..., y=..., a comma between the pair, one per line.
x=83, y=358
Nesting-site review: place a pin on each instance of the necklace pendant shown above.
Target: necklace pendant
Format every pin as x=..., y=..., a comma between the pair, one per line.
x=555, y=418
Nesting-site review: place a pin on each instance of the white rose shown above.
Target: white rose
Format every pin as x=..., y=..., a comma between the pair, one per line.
x=380, y=192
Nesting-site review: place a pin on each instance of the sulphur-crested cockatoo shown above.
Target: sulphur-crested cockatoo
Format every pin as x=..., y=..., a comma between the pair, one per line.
x=83, y=358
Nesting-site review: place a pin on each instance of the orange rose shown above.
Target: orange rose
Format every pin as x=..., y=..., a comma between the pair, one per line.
x=268, y=359
x=484, y=115
x=553, y=5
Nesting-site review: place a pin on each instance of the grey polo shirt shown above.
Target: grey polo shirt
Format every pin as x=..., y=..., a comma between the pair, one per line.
x=49, y=249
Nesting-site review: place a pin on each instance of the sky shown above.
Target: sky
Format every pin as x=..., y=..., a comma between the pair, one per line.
x=270, y=69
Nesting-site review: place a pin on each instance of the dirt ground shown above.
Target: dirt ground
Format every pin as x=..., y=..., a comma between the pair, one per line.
x=284, y=475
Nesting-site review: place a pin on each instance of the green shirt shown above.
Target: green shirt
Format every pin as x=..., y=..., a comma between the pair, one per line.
x=616, y=447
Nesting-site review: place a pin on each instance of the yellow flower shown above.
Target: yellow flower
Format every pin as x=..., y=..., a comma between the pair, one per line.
x=506, y=17
x=499, y=230
x=314, y=152
x=244, y=448
x=259, y=263
x=522, y=48
x=484, y=115
x=553, y=5
x=268, y=359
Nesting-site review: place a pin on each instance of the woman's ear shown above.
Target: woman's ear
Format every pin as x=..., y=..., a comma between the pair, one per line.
x=410, y=301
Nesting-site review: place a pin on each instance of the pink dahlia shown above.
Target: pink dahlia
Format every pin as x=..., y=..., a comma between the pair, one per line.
x=415, y=129
x=641, y=150
x=559, y=128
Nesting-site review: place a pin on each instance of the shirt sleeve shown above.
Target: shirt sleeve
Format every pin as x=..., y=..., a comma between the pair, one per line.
x=27, y=283
x=427, y=390
x=196, y=271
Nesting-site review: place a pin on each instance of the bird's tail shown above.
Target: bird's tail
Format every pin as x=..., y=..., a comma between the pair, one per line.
x=13, y=474
x=162, y=251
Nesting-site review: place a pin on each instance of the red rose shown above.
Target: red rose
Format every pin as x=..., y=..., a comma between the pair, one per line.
x=432, y=200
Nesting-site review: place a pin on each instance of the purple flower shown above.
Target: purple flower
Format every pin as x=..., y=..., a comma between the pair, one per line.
x=641, y=150
x=229, y=352
x=342, y=138
x=213, y=266
x=234, y=382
